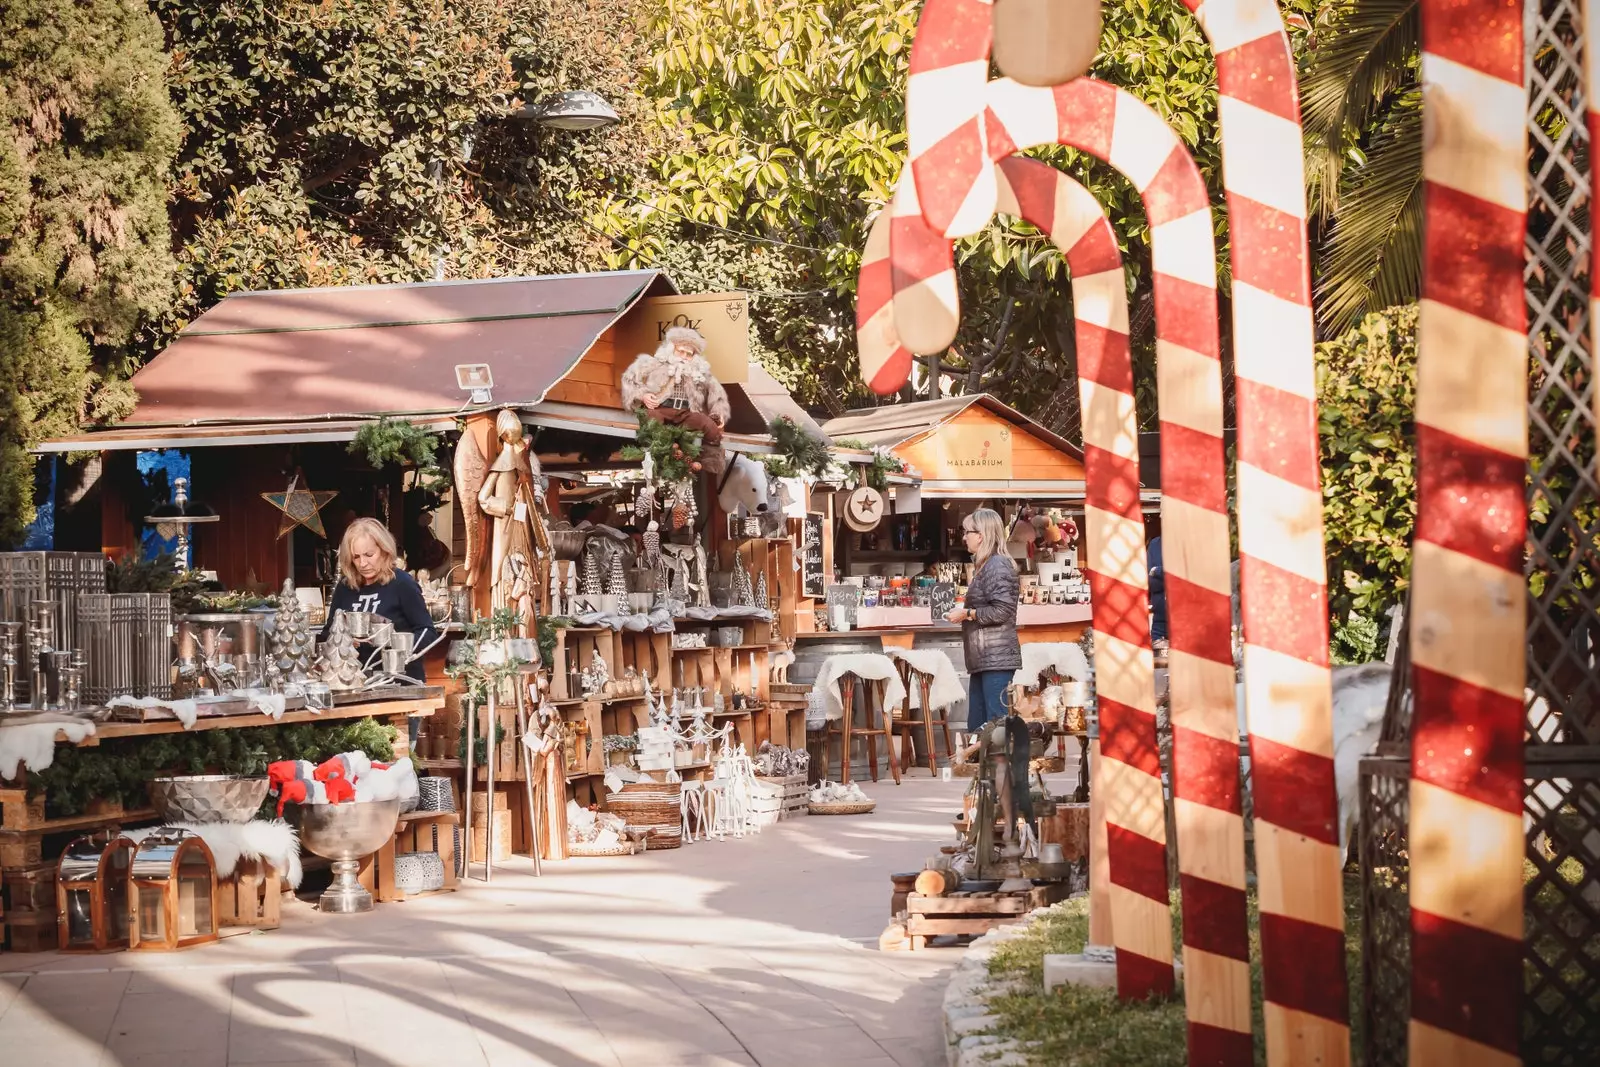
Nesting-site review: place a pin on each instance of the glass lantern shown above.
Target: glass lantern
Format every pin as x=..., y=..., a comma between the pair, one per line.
x=174, y=892
x=92, y=893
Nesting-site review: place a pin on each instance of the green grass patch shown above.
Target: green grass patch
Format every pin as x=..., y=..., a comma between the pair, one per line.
x=1075, y=1026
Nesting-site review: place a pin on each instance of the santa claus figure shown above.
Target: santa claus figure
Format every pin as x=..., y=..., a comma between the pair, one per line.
x=675, y=386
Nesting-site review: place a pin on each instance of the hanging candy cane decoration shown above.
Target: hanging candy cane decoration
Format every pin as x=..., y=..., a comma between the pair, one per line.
x=949, y=68
x=1283, y=573
x=1468, y=598
x=885, y=362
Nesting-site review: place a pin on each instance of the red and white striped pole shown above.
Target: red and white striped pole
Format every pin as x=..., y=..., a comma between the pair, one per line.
x=1468, y=595
x=1283, y=579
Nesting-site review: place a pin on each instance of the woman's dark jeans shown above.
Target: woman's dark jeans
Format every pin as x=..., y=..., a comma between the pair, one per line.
x=987, y=697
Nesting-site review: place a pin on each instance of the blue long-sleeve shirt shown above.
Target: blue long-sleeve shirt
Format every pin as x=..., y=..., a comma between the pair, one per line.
x=399, y=600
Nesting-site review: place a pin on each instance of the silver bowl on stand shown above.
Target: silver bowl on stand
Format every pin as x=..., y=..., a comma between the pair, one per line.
x=344, y=833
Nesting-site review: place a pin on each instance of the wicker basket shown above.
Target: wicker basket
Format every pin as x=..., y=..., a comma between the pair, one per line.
x=842, y=809
x=656, y=807
x=588, y=849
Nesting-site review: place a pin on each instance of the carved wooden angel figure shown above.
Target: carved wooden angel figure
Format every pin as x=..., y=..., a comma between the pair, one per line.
x=510, y=498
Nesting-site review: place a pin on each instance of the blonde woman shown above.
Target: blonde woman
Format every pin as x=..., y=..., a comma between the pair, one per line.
x=988, y=619
x=370, y=582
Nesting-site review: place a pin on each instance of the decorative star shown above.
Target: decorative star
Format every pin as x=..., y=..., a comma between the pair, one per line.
x=301, y=507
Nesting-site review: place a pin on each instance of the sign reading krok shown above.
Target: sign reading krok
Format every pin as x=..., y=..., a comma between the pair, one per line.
x=723, y=319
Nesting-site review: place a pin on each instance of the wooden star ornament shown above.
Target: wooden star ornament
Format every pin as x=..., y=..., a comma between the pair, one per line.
x=301, y=507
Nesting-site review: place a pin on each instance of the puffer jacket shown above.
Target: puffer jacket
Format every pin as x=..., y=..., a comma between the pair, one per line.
x=989, y=638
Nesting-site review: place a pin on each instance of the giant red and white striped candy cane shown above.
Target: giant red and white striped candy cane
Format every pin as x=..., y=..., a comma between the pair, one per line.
x=949, y=67
x=1115, y=126
x=1282, y=569
x=922, y=264
x=885, y=362
x=1468, y=596
x=1113, y=518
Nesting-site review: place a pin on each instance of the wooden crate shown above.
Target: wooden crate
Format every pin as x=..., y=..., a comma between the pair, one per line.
x=251, y=897
x=961, y=914
x=773, y=799
x=414, y=832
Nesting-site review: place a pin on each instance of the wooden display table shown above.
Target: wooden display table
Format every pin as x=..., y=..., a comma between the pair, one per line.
x=24, y=826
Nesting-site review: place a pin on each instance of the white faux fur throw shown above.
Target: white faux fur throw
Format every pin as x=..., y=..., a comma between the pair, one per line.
x=946, y=689
x=872, y=665
x=187, y=711
x=33, y=744
x=1066, y=657
x=274, y=841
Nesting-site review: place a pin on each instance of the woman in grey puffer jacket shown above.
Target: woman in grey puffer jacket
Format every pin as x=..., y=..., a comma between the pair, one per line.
x=989, y=619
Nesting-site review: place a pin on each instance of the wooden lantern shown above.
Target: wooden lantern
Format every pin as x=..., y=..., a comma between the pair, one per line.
x=173, y=894
x=92, y=893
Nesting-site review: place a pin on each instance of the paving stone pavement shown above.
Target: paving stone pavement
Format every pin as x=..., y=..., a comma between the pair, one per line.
x=752, y=953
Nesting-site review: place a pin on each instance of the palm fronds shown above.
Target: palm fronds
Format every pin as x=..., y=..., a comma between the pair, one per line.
x=1368, y=55
x=1373, y=258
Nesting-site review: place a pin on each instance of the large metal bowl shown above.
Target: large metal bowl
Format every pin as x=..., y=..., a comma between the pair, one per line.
x=344, y=833
x=208, y=797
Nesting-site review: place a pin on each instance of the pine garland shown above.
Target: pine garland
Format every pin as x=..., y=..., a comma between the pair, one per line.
x=802, y=452
x=397, y=442
x=121, y=768
x=671, y=448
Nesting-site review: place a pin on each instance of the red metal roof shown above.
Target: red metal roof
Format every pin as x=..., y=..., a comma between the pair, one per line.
x=381, y=349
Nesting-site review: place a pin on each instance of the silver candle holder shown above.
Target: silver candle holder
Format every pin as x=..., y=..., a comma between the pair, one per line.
x=10, y=632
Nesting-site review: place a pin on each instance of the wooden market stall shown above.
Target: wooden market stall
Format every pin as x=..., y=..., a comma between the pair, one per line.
x=268, y=390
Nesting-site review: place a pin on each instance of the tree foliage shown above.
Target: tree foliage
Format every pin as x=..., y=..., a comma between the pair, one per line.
x=86, y=138
x=787, y=124
x=1362, y=108
x=331, y=144
x=1366, y=397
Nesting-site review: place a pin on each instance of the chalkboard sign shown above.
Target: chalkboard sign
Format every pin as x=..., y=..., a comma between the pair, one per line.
x=847, y=595
x=942, y=600
x=813, y=581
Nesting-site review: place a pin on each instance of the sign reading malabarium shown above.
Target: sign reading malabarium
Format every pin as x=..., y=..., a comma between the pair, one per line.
x=977, y=451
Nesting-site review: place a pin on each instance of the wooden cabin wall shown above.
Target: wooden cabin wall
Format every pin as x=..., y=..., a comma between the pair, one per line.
x=1032, y=459
x=244, y=546
x=597, y=379
x=119, y=476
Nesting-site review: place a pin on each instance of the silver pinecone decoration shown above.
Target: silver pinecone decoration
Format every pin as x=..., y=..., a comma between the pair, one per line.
x=652, y=544
x=761, y=591
x=591, y=574
x=616, y=581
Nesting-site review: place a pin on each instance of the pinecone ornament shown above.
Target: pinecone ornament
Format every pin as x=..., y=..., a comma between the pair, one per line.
x=591, y=574
x=652, y=544
x=641, y=503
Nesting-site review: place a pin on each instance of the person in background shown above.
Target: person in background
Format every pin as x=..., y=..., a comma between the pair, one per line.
x=988, y=619
x=1158, y=592
x=369, y=581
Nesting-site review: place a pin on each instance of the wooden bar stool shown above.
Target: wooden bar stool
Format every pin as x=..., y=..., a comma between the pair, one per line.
x=846, y=731
x=930, y=717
